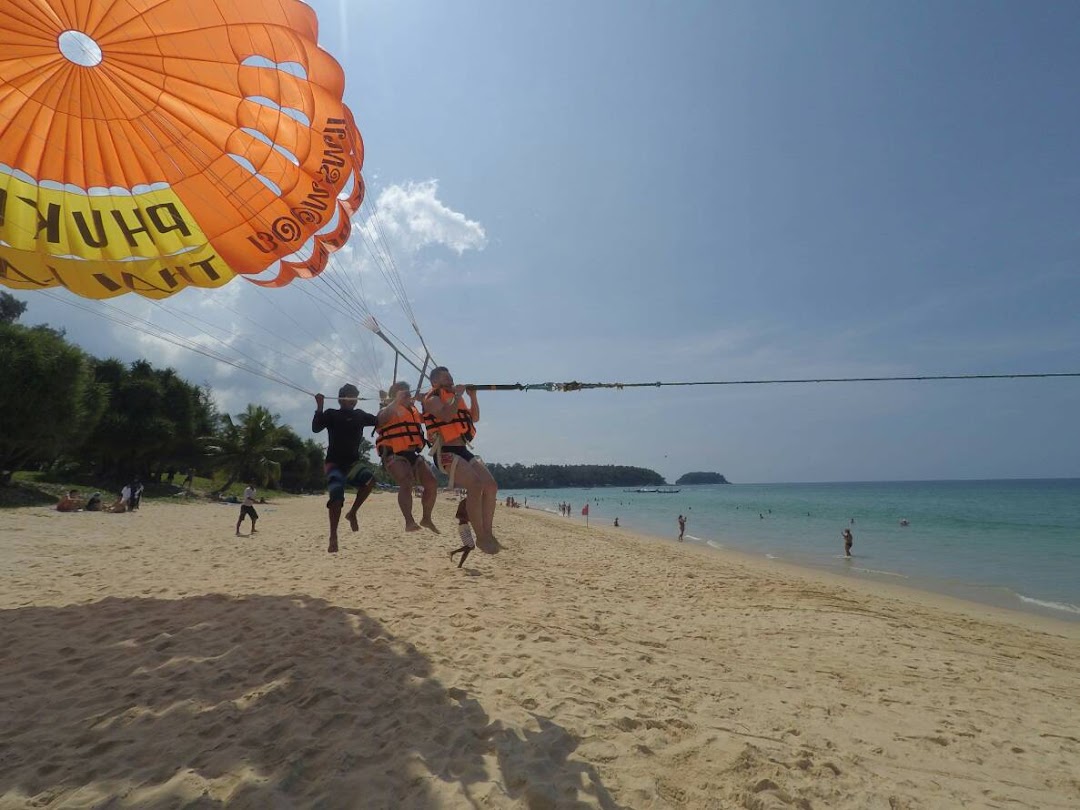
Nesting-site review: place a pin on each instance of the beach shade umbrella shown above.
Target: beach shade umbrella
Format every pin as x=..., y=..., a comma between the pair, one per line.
x=148, y=145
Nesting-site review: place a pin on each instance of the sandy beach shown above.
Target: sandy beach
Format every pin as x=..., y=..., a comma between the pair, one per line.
x=154, y=660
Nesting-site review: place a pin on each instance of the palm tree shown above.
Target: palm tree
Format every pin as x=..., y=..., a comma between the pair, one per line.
x=249, y=448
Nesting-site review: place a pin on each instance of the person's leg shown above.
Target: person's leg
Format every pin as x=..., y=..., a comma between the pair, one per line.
x=467, y=475
x=431, y=491
x=489, y=496
x=402, y=473
x=335, y=486
x=464, y=555
x=239, y=520
x=334, y=511
x=365, y=482
x=254, y=517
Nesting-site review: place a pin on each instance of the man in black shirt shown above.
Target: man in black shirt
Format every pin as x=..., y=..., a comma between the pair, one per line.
x=345, y=428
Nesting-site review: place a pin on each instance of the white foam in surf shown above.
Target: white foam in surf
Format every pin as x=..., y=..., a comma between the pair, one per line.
x=1063, y=607
x=714, y=544
x=880, y=573
x=691, y=537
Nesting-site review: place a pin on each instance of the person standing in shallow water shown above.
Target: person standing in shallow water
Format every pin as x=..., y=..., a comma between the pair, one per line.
x=345, y=428
x=849, y=540
x=682, y=526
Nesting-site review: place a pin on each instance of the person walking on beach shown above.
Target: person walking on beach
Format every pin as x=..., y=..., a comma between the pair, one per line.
x=400, y=440
x=247, y=509
x=848, y=541
x=682, y=527
x=451, y=427
x=464, y=532
x=345, y=428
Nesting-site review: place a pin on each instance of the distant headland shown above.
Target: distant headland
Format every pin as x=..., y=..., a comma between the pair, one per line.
x=702, y=478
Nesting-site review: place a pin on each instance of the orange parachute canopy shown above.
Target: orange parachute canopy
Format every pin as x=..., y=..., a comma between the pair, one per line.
x=147, y=145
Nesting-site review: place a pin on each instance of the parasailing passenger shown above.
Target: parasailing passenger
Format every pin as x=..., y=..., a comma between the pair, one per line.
x=400, y=441
x=451, y=427
x=345, y=428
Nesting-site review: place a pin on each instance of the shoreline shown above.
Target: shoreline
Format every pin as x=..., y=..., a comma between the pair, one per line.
x=908, y=590
x=154, y=659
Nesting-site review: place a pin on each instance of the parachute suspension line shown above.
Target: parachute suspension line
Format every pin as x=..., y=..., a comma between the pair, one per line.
x=378, y=332
x=580, y=386
x=423, y=373
x=393, y=276
x=347, y=305
x=191, y=319
x=130, y=321
x=127, y=319
x=369, y=339
x=270, y=299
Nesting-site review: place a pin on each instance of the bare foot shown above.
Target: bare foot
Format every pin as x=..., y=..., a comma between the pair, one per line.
x=412, y=527
x=427, y=524
x=333, y=545
x=488, y=545
x=253, y=531
x=354, y=524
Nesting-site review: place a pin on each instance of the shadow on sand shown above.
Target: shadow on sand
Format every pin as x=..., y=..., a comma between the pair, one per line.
x=257, y=702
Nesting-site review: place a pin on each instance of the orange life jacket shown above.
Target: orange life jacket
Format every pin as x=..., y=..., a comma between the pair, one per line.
x=405, y=434
x=459, y=427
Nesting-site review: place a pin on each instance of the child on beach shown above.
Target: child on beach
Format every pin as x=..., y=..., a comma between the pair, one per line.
x=464, y=532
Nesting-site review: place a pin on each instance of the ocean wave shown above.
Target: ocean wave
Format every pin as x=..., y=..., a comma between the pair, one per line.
x=880, y=573
x=714, y=544
x=1064, y=607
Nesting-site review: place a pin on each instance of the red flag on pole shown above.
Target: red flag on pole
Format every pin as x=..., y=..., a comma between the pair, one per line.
x=585, y=510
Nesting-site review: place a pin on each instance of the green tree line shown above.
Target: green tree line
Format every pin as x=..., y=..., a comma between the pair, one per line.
x=543, y=476
x=62, y=410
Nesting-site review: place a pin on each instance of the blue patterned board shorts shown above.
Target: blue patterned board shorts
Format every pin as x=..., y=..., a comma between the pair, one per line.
x=337, y=479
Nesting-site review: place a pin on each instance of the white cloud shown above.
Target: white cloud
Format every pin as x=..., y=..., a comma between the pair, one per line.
x=411, y=217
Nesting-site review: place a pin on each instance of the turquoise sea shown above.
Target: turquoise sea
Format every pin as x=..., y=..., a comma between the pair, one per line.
x=1014, y=544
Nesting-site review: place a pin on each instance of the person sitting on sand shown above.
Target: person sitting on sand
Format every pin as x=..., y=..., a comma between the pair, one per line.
x=136, y=494
x=400, y=440
x=69, y=502
x=345, y=428
x=848, y=541
x=119, y=506
x=247, y=509
x=464, y=532
x=451, y=427
x=94, y=504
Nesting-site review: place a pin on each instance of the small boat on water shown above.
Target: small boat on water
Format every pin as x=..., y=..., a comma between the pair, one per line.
x=653, y=491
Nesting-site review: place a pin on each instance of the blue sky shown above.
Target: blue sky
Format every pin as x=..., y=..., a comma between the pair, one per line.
x=624, y=191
